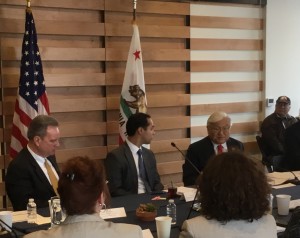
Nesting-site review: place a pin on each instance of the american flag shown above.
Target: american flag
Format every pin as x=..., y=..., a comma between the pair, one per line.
x=32, y=97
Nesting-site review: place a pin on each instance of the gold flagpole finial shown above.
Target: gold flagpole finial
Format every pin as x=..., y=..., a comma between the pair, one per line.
x=28, y=3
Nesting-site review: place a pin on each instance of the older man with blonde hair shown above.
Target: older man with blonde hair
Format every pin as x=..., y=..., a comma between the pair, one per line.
x=218, y=141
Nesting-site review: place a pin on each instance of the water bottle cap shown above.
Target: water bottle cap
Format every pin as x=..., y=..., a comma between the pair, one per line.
x=31, y=200
x=171, y=201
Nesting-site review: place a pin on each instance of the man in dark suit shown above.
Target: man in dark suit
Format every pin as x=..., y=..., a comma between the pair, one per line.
x=129, y=172
x=34, y=172
x=217, y=141
x=292, y=143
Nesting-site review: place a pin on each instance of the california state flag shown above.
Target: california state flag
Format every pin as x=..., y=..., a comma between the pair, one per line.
x=133, y=95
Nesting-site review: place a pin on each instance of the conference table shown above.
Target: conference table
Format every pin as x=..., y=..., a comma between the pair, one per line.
x=131, y=202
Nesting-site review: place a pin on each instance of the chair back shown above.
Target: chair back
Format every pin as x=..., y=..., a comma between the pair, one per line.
x=266, y=160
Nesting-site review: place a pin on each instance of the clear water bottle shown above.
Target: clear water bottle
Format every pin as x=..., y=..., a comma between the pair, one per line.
x=171, y=211
x=31, y=211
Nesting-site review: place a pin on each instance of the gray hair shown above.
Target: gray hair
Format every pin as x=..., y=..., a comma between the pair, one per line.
x=217, y=116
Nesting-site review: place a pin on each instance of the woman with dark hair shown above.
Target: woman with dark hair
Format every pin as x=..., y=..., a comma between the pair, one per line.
x=234, y=201
x=83, y=191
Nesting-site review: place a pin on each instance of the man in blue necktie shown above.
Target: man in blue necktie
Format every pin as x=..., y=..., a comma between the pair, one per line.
x=131, y=168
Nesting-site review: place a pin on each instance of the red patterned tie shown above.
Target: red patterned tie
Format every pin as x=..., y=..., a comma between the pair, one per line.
x=220, y=149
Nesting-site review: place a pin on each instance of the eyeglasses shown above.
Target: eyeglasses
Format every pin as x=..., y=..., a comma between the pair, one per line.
x=282, y=104
x=219, y=129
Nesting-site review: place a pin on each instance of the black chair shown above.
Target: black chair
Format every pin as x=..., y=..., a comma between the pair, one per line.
x=293, y=227
x=267, y=160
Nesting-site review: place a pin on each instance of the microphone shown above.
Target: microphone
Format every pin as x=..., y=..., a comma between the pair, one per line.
x=195, y=206
x=186, y=158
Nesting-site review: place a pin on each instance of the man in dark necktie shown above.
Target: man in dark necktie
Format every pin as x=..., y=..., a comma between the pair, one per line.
x=218, y=141
x=131, y=168
x=273, y=129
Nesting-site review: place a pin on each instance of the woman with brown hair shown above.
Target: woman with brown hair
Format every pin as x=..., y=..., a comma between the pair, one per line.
x=234, y=201
x=83, y=191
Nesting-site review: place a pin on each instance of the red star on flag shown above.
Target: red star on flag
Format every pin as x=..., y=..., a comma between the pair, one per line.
x=137, y=54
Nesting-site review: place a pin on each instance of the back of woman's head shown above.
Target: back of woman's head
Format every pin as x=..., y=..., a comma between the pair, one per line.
x=233, y=188
x=80, y=185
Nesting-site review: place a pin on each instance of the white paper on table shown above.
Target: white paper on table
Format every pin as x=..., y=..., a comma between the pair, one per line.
x=188, y=193
x=113, y=213
x=42, y=220
x=147, y=233
x=19, y=216
x=294, y=203
x=280, y=177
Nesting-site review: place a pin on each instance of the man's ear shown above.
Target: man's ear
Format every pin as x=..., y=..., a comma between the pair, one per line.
x=140, y=130
x=37, y=140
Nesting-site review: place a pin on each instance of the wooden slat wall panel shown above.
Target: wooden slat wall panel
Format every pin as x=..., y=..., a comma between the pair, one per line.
x=237, y=128
x=152, y=78
x=149, y=7
x=226, y=22
x=218, y=87
x=84, y=47
x=163, y=30
x=56, y=28
x=226, y=66
x=58, y=54
x=68, y=4
x=61, y=80
x=71, y=38
x=226, y=44
x=237, y=107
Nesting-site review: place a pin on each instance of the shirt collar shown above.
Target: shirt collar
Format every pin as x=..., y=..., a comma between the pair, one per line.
x=37, y=157
x=134, y=149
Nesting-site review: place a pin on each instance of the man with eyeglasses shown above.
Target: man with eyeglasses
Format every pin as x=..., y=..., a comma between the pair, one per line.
x=218, y=141
x=273, y=129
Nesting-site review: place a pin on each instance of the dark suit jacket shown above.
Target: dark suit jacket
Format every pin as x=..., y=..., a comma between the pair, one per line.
x=292, y=143
x=122, y=173
x=199, y=153
x=25, y=179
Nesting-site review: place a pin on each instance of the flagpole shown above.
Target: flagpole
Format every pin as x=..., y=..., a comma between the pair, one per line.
x=134, y=10
x=28, y=9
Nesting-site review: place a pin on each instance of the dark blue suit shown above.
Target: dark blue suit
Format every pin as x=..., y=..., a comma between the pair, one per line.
x=199, y=153
x=25, y=179
x=122, y=173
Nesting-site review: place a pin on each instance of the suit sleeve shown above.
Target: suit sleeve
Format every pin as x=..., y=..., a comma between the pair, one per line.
x=114, y=171
x=18, y=186
x=189, y=174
